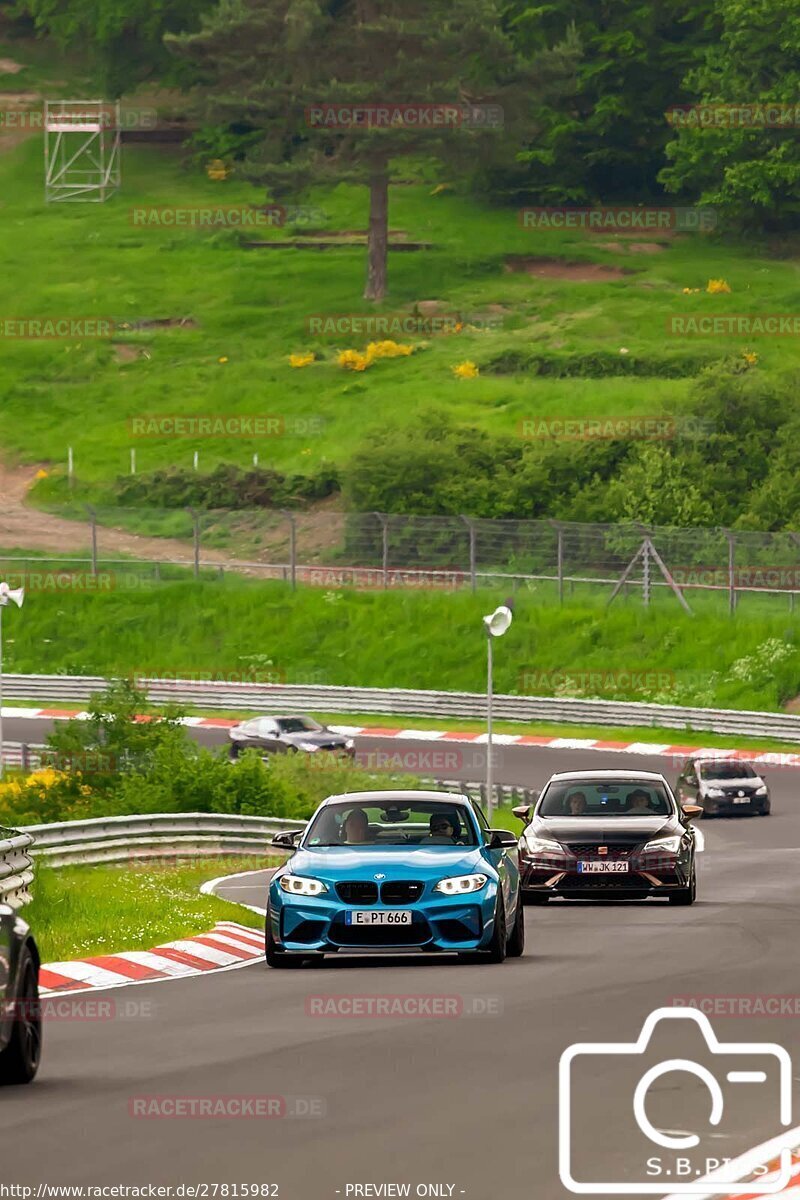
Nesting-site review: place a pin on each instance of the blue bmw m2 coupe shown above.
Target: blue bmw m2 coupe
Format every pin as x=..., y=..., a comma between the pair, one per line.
x=396, y=871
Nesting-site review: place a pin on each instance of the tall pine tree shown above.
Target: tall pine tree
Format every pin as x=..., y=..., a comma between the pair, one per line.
x=288, y=73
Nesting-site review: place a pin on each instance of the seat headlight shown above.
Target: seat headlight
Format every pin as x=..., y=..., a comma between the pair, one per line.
x=349, y=743
x=301, y=885
x=461, y=885
x=761, y=791
x=714, y=791
x=669, y=844
x=533, y=846
x=308, y=746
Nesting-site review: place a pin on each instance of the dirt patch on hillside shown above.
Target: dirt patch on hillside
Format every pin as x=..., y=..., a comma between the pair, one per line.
x=9, y=67
x=554, y=268
x=633, y=247
x=23, y=527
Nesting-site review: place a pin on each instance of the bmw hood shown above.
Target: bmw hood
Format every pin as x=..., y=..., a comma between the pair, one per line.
x=392, y=862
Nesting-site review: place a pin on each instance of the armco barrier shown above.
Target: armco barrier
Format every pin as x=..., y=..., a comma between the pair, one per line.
x=16, y=867
x=163, y=835
x=261, y=697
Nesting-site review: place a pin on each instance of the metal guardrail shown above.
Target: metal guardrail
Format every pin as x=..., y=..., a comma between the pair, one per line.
x=164, y=835
x=16, y=867
x=135, y=839
x=261, y=697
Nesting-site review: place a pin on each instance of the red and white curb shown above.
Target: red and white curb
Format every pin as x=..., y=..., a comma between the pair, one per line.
x=777, y=758
x=757, y=1171
x=226, y=947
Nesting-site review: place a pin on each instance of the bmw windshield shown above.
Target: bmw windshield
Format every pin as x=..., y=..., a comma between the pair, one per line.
x=415, y=823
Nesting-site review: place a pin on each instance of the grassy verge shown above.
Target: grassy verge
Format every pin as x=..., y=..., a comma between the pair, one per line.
x=238, y=629
x=80, y=911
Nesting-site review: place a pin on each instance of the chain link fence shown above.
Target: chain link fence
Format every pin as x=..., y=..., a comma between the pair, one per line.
x=129, y=547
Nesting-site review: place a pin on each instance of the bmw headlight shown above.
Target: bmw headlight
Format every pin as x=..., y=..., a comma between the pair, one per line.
x=669, y=844
x=460, y=885
x=301, y=885
x=712, y=791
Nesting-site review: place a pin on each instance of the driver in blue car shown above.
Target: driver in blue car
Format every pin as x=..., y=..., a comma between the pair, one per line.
x=441, y=829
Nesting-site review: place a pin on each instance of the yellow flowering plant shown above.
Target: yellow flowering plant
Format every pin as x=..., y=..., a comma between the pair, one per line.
x=466, y=370
x=301, y=360
x=716, y=286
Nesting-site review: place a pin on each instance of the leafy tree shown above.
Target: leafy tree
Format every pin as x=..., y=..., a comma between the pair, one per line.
x=287, y=75
x=123, y=39
x=609, y=140
x=752, y=175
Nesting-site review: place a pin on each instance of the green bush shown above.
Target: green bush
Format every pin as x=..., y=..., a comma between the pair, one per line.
x=227, y=486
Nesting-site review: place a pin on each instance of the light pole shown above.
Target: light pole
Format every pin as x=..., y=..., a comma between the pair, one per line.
x=6, y=594
x=495, y=625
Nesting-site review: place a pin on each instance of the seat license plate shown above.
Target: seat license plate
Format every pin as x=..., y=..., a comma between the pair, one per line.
x=602, y=868
x=741, y=800
x=368, y=916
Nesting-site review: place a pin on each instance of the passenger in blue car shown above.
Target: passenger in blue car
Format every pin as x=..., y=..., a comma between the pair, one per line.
x=355, y=827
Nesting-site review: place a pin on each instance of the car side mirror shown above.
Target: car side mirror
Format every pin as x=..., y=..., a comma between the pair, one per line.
x=287, y=839
x=523, y=813
x=692, y=811
x=502, y=839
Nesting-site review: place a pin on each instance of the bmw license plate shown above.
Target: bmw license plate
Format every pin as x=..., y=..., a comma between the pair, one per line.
x=369, y=916
x=602, y=868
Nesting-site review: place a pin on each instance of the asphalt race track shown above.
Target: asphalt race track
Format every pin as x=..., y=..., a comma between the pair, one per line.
x=467, y=1101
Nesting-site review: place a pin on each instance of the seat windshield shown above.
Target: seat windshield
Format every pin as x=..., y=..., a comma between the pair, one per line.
x=611, y=798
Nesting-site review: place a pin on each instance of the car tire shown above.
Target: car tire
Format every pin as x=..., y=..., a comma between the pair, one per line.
x=498, y=947
x=19, y=1062
x=276, y=958
x=686, y=895
x=516, y=943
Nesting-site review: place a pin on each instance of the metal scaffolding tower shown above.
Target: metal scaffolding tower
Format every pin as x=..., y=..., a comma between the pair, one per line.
x=81, y=149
